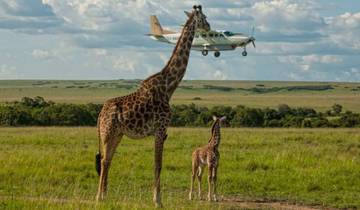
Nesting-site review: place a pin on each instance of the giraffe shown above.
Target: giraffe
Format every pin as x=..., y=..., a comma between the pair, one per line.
x=146, y=111
x=207, y=155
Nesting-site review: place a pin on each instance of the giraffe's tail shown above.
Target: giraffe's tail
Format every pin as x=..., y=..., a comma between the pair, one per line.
x=98, y=155
x=98, y=163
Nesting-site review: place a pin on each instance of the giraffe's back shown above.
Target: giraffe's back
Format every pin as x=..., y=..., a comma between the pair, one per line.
x=135, y=115
x=206, y=155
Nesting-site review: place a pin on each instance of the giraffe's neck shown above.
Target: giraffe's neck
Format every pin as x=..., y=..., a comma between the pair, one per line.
x=215, y=135
x=175, y=69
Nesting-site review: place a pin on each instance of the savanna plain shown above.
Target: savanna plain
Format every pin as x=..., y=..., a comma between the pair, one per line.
x=53, y=167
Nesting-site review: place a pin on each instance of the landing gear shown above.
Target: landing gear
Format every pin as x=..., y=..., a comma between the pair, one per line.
x=216, y=53
x=204, y=52
x=244, y=53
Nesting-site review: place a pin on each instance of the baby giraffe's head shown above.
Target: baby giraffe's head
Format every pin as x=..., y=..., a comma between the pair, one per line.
x=215, y=130
x=219, y=121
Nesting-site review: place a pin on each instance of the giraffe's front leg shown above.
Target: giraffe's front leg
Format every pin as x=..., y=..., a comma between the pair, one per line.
x=214, y=182
x=160, y=138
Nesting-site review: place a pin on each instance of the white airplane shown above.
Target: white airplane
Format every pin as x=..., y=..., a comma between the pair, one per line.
x=218, y=40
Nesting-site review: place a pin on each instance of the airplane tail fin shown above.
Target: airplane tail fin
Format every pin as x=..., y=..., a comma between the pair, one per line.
x=155, y=27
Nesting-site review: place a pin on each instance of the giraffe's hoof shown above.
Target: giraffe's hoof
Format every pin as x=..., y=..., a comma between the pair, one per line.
x=158, y=205
x=98, y=198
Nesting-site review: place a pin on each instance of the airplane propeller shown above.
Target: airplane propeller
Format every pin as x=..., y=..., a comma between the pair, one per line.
x=252, y=38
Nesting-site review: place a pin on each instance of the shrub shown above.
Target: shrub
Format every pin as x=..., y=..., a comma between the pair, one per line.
x=37, y=111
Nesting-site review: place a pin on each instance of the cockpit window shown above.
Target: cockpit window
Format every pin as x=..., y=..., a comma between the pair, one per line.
x=203, y=35
x=229, y=33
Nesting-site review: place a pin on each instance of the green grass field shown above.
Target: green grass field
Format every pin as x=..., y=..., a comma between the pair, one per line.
x=210, y=93
x=53, y=168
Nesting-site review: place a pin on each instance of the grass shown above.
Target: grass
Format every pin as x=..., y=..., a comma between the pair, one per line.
x=53, y=168
x=346, y=94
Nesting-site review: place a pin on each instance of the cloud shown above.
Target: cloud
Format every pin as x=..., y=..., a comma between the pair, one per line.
x=344, y=30
x=310, y=64
x=41, y=54
x=29, y=8
x=8, y=72
x=27, y=16
x=104, y=38
x=218, y=75
x=309, y=59
x=61, y=53
x=287, y=19
x=124, y=64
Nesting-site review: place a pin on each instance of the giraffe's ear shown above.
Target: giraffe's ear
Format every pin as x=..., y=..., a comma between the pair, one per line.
x=214, y=118
x=187, y=13
x=223, y=118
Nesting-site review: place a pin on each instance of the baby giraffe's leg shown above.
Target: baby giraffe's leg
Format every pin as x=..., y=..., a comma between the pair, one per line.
x=210, y=182
x=193, y=174
x=199, y=175
x=214, y=177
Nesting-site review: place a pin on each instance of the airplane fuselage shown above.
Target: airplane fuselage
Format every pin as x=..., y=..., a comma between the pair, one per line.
x=209, y=41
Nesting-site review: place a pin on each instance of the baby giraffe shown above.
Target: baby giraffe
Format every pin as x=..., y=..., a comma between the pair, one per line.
x=207, y=155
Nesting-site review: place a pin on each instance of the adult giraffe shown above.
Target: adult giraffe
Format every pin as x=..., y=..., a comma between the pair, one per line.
x=146, y=111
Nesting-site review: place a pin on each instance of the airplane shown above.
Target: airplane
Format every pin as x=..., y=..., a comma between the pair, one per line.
x=213, y=40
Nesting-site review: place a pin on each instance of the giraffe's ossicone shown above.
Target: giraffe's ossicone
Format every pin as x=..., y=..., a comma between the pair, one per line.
x=146, y=111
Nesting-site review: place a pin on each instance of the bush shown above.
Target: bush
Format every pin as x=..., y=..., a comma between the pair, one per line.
x=37, y=111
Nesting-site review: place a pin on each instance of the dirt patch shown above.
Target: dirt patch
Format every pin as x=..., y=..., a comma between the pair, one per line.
x=46, y=199
x=243, y=203
x=227, y=203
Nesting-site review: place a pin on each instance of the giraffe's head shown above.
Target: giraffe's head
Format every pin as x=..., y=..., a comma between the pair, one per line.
x=219, y=121
x=199, y=18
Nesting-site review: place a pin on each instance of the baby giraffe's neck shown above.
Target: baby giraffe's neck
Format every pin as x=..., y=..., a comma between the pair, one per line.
x=215, y=135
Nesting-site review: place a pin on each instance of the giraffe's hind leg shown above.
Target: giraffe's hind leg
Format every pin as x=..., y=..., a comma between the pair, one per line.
x=108, y=144
x=199, y=176
x=193, y=174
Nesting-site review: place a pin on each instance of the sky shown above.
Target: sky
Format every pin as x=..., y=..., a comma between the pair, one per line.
x=296, y=40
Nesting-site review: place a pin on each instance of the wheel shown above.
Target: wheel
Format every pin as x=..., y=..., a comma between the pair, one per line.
x=204, y=52
x=216, y=53
x=244, y=53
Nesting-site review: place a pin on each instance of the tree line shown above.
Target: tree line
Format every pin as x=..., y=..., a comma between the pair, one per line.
x=39, y=112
